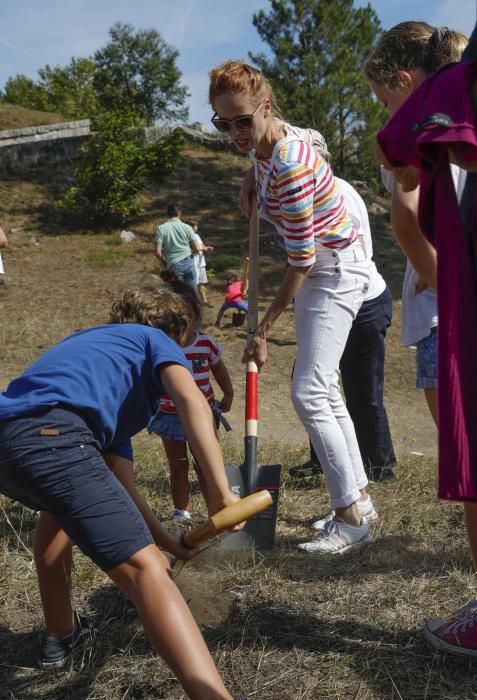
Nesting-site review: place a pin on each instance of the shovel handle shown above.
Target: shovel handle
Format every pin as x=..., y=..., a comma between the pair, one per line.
x=228, y=517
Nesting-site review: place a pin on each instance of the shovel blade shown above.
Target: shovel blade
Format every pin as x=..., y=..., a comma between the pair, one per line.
x=259, y=532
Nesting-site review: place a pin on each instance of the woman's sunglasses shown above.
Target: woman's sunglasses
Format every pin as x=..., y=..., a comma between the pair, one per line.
x=241, y=123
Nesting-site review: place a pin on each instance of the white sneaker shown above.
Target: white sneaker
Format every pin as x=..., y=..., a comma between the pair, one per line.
x=337, y=537
x=366, y=510
x=179, y=516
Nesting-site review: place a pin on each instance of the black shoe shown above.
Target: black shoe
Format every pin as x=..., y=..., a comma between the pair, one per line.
x=310, y=468
x=55, y=650
x=381, y=474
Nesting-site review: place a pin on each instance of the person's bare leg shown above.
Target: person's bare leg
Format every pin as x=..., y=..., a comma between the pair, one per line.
x=432, y=402
x=202, y=294
x=168, y=623
x=350, y=514
x=52, y=549
x=364, y=495
x=470, y=514
x=176, y=452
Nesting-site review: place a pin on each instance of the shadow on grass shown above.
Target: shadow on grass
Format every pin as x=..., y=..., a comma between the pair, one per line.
x=392, y=663
x=119, y=655
x=398, y=554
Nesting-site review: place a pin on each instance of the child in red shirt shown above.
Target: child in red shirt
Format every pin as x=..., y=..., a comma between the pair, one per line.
x=233, y=296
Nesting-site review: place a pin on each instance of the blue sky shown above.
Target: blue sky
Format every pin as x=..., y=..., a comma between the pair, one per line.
x=205, y=32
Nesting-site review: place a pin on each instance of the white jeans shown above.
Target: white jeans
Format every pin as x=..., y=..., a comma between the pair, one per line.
x=325, y=307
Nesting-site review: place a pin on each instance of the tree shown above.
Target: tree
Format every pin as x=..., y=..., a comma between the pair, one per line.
x=23, y=91
x=138, y=70
x=68, y=91
x=319, y=47
x=135, y=71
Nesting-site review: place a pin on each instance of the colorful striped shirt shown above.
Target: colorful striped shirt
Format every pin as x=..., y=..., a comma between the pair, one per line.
x=202, y=354
x=297, y=193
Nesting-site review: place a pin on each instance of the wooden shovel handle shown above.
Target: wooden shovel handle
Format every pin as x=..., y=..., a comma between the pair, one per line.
x=226, y=518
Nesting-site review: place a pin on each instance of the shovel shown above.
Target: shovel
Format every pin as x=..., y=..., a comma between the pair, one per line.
x=249, y=477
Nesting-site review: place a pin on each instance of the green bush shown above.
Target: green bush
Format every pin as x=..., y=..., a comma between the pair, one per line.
x=115, y=167
x=222, y=263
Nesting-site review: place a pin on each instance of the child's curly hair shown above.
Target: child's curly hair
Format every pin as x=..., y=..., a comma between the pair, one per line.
x=154, y=306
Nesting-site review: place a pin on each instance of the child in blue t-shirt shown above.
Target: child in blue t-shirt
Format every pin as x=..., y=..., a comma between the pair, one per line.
x=85, y=397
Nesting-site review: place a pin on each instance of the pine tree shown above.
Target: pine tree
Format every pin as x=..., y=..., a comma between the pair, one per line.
x=318, y=49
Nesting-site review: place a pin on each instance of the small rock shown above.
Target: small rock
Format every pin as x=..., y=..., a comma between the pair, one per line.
x=16, y=230
x=127, y=236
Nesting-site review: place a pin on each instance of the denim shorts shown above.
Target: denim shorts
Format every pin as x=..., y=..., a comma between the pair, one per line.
x=52, y=462
x=169, y=426
x=426, y=361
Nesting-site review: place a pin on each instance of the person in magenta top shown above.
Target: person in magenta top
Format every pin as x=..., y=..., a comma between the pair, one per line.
x=327, y=276
x=434, y=127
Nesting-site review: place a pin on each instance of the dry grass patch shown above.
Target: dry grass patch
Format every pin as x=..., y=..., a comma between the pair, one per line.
x=281, y=624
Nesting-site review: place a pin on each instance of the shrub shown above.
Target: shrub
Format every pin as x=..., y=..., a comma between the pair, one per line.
x=114, y=168
x=222, y=263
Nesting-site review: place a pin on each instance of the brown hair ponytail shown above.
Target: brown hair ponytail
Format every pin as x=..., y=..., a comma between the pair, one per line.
x=412, y=46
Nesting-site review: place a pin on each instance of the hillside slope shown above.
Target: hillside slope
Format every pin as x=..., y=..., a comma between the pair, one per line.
x=15, y=117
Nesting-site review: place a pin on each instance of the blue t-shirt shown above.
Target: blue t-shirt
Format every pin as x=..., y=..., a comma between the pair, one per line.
x=108, y=373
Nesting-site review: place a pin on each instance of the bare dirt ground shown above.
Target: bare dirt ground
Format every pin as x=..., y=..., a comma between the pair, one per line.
x=279, y=624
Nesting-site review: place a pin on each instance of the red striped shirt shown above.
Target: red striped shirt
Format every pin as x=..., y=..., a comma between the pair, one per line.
x=203, y=353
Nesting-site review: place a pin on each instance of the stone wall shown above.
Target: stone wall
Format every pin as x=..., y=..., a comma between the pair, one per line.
x=28, y=148
x=194, y=133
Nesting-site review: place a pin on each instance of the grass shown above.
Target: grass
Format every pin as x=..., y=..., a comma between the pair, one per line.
x=280, y=624
x=16, y=117
x=105, y=258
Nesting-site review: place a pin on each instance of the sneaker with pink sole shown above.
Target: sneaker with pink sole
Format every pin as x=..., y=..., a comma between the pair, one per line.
x=457, y=635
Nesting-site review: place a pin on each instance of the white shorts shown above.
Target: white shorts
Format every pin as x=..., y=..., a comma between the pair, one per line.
x=202, y=276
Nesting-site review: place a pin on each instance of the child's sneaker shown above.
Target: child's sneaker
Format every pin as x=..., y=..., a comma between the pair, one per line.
x=366, y=510
x=55, y=650
x=179, y=515
x=456, y=636
x=337, y=537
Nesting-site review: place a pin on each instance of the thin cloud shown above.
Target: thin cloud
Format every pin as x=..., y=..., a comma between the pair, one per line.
x=21, y=50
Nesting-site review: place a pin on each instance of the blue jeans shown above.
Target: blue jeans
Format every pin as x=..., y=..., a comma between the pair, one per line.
x=362, y=376
x=240, y=305
x=185, y=270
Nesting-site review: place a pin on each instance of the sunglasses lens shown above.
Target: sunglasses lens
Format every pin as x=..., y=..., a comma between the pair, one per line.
x=243, y=123
x=221, y=125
